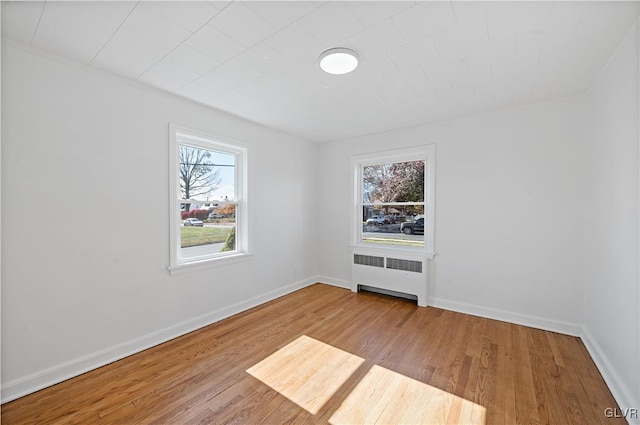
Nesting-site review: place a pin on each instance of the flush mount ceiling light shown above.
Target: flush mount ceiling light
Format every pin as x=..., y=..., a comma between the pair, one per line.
x=338, y=61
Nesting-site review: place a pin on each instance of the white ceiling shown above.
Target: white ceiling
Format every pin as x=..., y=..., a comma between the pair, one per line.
x=420, y=61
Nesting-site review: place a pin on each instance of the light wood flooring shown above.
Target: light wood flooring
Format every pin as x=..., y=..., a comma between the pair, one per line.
x=326, y=355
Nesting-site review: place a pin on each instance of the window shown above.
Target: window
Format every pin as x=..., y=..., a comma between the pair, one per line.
x=208, y=190
x=393, y=199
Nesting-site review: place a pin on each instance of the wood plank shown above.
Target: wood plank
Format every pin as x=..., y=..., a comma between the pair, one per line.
x=364, y=358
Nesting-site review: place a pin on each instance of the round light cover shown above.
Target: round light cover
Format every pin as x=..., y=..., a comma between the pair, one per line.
x=338, y=61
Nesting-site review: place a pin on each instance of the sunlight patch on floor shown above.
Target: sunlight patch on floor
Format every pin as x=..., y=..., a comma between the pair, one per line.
x=385, y=397
x=307, y=371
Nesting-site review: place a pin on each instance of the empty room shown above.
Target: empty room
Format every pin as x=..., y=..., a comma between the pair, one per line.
x=367, y=212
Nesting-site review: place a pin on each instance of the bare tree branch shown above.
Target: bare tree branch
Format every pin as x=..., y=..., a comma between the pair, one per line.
x=198, y=175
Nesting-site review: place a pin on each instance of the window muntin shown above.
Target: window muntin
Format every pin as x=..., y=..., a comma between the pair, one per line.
x=207, y=202
x=208, y=214
x=392, y=202
x=394, y=199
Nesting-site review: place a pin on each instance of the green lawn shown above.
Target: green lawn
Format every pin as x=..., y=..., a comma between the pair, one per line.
x=193, y=236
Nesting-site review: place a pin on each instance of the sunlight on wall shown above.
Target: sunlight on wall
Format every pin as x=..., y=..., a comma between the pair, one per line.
x=385, y=397
x=306, y=371
x=309, y=372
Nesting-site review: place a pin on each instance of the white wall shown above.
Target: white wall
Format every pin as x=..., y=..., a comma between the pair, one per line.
x=84, y=277
x=509, y=212
x=611, y=319
x=85, y=220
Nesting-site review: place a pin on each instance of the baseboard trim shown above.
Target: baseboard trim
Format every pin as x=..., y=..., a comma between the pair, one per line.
x=54, y=375
x=508, y=316
x=622, y=394
x=489, y=313
x=340, y=283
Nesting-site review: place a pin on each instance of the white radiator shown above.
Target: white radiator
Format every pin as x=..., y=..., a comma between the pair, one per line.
x=404, y=273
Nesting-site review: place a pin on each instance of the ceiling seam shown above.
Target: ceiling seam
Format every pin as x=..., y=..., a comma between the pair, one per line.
x=182, y=43
x=35, y=30
x=247, y=48
x=114, y=33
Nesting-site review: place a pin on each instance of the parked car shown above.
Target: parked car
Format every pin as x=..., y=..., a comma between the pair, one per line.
x=378, y=221
x=413, y=227
x=214, y=215
x=193, y=222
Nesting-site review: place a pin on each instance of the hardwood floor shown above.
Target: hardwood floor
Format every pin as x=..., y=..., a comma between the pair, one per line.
x=326, y=355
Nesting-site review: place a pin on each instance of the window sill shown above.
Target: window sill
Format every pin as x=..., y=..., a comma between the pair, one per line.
x=206, y=263
x=417, y=253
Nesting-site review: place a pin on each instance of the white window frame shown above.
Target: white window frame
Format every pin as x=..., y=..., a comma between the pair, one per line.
x=424, y=153
x=181, y=135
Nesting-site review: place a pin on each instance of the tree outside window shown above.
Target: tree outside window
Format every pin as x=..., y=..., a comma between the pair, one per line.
x=394, y=195
x=208, y=186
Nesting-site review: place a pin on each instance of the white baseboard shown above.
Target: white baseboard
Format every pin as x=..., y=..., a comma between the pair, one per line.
x=340, y=283
x=54, y=375
x=508, y=316
x=51, y=376
x=623, y=395
x=489, y=313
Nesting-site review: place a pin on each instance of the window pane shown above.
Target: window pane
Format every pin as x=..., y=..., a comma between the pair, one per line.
x=207, y=201
x=399, y=224
x=393, y=182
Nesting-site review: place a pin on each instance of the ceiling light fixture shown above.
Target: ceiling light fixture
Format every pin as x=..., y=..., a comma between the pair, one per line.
x=338, y=61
